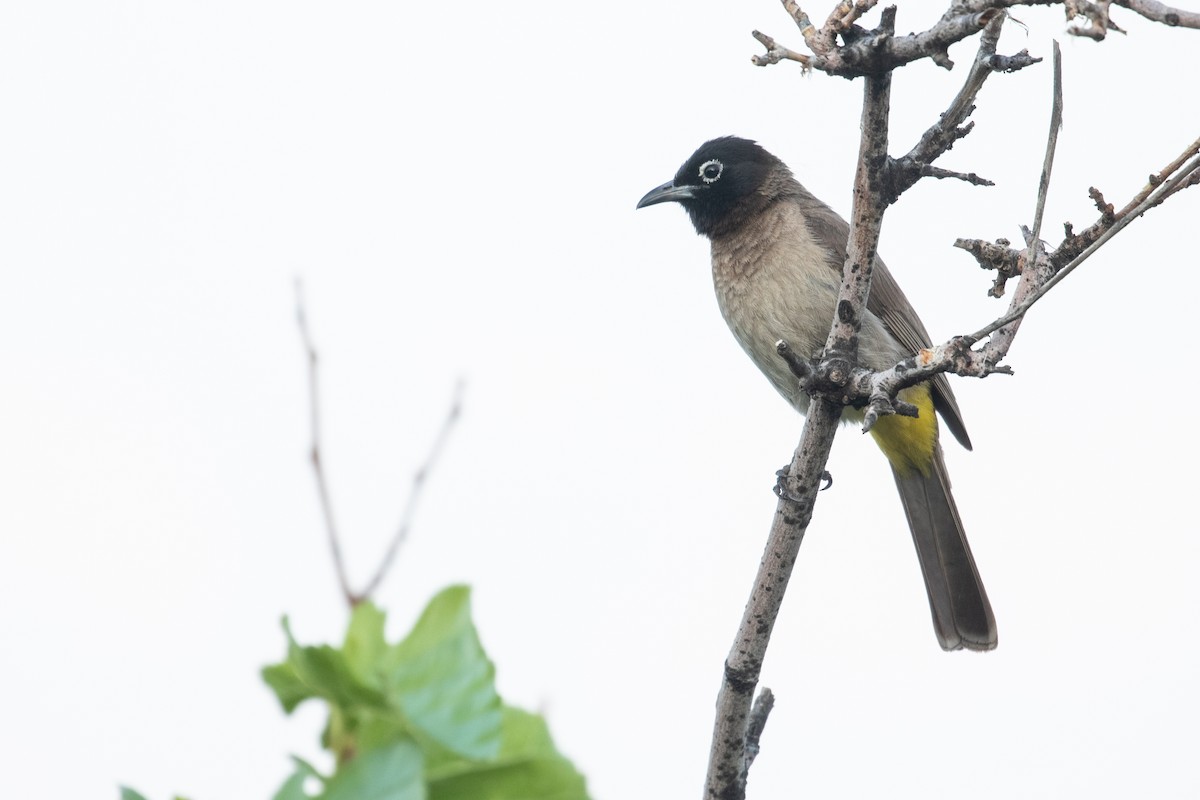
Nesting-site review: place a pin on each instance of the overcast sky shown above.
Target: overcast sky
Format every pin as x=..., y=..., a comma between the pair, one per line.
x=456, y=184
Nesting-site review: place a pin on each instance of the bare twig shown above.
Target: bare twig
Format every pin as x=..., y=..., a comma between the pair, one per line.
x=870, y=53
x=414, y=491
x=875, y=52
x=758, y=721
x=877, y=389
x=1033, y=259
x=335, y=548
x=1056, y=109
x=418, y=482
x=1188, y=176
x=1182, y=172
x=1095, y=23
x=1159, y=12
x=997, y=255
x=1076, y=243
x=930, y=171
x=1039, y=274
x=949, y=128
x=776, y=53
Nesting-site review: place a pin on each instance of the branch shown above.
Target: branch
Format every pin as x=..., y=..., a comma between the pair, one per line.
x=731, y=753
x=1181, y=173
x=1158, y=12
x=1188, y=176
x=878, y=390
x=1095, y=23
x=414, y=490
x=879, y=51
x=1030, y=280
x=755, y=725
x=949, y=128
x=865, y=52
x=1089, y=20
x=836, y=381
x=335, y=547
x=418, y=482
x=776, y=53
x=734, y=743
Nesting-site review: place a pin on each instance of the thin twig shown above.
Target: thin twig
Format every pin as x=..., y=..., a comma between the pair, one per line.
x=1034, y=270
x=758, y=722
x=414, y=491
x=930, y=171
x=1056, y=109
x=1187, y=175
x=950, y=127
x=310, y=349
x=776, y=53
x=876, y=389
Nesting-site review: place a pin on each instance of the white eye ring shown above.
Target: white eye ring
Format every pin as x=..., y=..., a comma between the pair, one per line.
x=711, y=170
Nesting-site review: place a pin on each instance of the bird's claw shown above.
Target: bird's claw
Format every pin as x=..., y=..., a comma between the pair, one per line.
x=783, y=492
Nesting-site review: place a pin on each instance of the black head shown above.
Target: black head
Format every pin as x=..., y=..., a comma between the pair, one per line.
x=720, y=184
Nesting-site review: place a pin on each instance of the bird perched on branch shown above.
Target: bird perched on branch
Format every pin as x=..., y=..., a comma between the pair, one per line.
x=777, y=257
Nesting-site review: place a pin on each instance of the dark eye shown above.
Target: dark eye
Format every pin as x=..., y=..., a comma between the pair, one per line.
x=711, y=170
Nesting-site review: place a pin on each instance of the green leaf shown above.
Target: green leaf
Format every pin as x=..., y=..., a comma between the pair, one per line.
x=551, y=778
x=365, y=646
x=444, y=682
x=525, y=734
x=528, y=767
x=293, y=787
x=288, y=687
x=393, y=772
x=318, y=671
x=375, y=730
x=133, y=794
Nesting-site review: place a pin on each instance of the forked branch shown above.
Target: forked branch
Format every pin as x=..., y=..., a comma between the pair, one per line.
x=352, y=597
x=842, y=47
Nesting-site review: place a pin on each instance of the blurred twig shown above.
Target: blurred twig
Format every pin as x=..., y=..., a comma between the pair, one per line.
x=418, y=482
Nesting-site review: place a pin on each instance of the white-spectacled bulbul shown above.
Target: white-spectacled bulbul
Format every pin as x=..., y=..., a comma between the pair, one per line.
x=777, y=258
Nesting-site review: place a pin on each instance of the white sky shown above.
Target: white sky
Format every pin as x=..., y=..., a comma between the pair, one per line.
x=456, y=186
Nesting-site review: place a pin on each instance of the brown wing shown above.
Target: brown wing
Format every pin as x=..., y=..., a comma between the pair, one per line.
x=891, y=306
x=888, y=303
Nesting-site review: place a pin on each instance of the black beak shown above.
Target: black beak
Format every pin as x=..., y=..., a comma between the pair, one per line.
x=667, y=193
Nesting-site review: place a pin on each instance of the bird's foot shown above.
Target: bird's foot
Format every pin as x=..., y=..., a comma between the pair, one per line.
x=781, y=490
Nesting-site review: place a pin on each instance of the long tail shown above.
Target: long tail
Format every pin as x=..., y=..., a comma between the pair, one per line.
x=962, y=616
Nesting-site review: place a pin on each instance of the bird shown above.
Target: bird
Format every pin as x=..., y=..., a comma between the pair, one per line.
x=777, y=258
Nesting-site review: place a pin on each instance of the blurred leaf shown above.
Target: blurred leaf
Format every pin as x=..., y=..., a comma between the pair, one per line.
x=393, y=772
x=293, y=787
x=419, y=720
x=528, y=768
x=288, y=687
x=365, y=646
x=375, y=730
x=525, y=734
x=444, y=682
x=133, y=794
x=318, y=671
